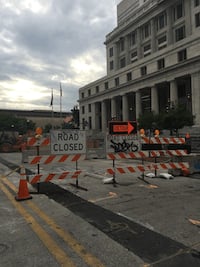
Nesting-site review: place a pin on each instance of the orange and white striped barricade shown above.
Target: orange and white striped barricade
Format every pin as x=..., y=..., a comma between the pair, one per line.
x=168, y=153
x=48, y=159
x=38, y=178
x=129, y=155
x=145, y=154
x=163, y=140
x=165, y=146
x=33, y=142
x=149, y=167
x=38, y=141
x=42, y=141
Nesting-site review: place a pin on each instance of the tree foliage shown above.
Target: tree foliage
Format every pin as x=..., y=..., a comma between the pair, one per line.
x=177, y=118
x=174, y=119
x=148, y=120
x=11, y=123
x=73, y=123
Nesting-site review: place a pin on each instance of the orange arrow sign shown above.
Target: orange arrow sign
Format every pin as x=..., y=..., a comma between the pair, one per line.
x=130, y=127
x=121, y=128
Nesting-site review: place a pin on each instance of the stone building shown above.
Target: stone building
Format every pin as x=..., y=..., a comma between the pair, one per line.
x=40, y=117
x=153, y=63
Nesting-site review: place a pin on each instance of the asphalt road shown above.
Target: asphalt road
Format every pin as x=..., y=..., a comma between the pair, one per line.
x=133, y=222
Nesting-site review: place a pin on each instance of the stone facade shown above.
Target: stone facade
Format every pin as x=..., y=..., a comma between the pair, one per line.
x=153, y=64
x=40, y=117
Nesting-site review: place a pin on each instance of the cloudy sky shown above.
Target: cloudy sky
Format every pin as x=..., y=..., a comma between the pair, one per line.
x=45, y=42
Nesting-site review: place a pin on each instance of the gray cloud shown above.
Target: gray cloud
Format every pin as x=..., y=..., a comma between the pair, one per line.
x=40, y=46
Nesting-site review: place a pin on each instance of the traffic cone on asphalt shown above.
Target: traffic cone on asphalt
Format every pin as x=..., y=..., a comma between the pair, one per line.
x=23, y=193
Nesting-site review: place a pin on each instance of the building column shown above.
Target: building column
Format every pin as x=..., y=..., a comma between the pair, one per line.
x=138, y=104
x=195, y=81
x=126, y=48
x=153, y=34
x=93, y=118
x=115, y=52
x=154, y=100
x=103, y=115
x=97, y=115
x=169, y=26
x=113, y=108
x=139, y=48
x=173, y=93
x=125, y=108
x=188, y=24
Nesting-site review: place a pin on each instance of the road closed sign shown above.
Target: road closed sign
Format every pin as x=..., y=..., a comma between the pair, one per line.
x=68, y=142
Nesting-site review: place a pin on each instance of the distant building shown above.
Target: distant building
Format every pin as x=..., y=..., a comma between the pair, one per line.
x=153, y=63
x=39, y=117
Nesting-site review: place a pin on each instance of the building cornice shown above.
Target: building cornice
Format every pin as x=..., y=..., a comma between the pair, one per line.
x=156, y=78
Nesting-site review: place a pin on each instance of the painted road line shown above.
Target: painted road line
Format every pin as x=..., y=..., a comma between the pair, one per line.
x=66, y=236
x=111, y=195
x=12, y=171
x=51, y=245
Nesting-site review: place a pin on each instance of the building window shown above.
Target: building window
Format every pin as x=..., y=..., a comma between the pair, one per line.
x=180, y=33
x=89, y=108
x=161, y=63
x=83, y=110
x=121, y=45
x=134, y=56
x=129, y=76
x=182, y=55
x=132, y=38
x=162, y=42
x=111, y=52
x=197, y=20
x=146, y=31
x=84, y=123
x=82, y=95
x=196, y=3
x=143, y=70
x=89, y=92
x=97, y=89
x=106, y=85
x=147, y=50
x=161, y=21
x=117, y=81
x=122, y=62
x=111, y=65
x=178, y=11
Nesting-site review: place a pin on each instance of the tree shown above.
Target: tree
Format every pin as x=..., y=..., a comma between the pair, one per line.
x=177, y=118
x=148, y=120
x=47, y=128
x=75, y=114
x=72, y=120
x=172, y=120
x=11, y=123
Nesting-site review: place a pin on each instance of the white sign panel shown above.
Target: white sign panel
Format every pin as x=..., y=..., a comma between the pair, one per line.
x=68, y=142
x=122, y=143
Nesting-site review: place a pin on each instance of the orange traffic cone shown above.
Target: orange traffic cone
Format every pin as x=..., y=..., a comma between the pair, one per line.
x=22, y=172
x=23, y=193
